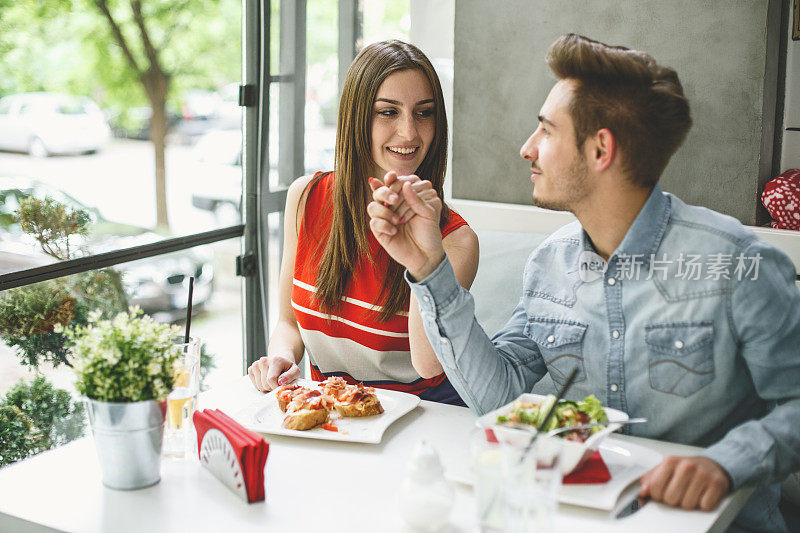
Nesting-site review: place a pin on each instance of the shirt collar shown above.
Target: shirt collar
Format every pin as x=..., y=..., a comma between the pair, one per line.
x=644, y=236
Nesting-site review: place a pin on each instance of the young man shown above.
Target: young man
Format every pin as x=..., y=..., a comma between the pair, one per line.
x=668, y=311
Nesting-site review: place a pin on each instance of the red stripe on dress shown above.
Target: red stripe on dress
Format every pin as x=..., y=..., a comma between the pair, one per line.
x=352, y=312
x=333, y=328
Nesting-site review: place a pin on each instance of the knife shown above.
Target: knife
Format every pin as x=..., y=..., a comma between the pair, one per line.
x=631, y=501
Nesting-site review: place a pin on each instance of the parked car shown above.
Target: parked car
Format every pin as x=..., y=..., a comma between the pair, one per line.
x=218, y=175
x=156, y=284
x=204, y=111
x=43, y=124
x=134, y=123
x=218, y=171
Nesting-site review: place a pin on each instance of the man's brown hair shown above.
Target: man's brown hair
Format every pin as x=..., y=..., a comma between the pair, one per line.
x=628, y=93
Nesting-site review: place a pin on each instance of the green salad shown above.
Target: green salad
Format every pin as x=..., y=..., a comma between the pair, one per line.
x=566, y=414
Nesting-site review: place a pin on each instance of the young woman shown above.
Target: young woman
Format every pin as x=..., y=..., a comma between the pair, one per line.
x=342, y=299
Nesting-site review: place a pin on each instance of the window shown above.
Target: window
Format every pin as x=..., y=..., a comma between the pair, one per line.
x=138, y=185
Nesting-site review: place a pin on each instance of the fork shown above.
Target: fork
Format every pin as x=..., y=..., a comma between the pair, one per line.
x=558, y=431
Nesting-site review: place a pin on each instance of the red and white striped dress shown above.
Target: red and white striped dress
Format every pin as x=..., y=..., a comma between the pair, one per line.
x=353, y=342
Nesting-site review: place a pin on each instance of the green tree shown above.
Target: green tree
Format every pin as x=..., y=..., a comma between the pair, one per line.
x=122, y=53
x=29, y=314
x=55, y=417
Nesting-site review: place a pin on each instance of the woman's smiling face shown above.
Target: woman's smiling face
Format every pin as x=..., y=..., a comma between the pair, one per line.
x=403, y=123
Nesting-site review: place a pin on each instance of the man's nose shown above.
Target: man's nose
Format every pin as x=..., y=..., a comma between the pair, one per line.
x=528, y=150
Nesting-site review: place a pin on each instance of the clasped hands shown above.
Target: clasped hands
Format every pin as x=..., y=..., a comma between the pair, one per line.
x=404, y=217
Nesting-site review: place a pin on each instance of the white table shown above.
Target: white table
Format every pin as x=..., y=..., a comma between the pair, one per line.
x=61, y=489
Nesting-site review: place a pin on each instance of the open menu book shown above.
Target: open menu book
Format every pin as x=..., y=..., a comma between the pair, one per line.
x=235, y=455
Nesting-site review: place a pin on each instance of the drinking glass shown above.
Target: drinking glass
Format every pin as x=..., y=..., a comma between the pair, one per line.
x=179, y=433
x=516, y=486
x=531, y=479
x=487, y=464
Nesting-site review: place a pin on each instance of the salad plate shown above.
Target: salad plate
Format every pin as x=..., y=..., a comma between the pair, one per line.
x=574, y=453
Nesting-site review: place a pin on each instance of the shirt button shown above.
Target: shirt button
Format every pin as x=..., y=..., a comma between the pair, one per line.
x=427, y=299
x=612, y=281
x=551, y=339
x=444, y=341
x=615, y=334
x=614, y=387
x=679, y=344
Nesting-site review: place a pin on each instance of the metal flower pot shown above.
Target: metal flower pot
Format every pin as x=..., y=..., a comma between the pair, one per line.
x=128, y=441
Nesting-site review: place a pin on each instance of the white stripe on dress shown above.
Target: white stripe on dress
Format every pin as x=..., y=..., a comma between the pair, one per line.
x=347, y=299
x=356, y=325
x=335, y=354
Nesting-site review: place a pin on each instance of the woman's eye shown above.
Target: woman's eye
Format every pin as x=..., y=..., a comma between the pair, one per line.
x=424, y=113
x=387, y=112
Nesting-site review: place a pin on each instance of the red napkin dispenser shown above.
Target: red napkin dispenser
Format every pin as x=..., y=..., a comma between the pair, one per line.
x=233, y=454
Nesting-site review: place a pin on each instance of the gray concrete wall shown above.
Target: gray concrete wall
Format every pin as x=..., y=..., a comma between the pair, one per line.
x=718, y=48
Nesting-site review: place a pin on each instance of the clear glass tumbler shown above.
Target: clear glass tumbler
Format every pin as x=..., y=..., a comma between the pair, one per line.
x=531, y=479
x=179, y=435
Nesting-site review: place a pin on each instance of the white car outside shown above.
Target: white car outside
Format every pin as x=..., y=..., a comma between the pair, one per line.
x=43, y=124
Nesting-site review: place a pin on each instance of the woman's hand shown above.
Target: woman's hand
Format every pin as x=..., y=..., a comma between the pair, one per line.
x=271, y=371
x=414, y=240
x=394, y=184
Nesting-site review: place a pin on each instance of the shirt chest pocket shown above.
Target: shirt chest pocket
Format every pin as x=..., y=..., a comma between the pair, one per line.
x=681, y=356
x=561, y=345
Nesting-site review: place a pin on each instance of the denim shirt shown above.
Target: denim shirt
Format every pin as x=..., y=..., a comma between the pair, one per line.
x=694, y=325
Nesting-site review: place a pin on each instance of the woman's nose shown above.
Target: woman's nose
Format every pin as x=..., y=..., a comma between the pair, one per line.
x=407, y=127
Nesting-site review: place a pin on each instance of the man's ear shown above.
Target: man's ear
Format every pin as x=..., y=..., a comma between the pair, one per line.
x=602, y=149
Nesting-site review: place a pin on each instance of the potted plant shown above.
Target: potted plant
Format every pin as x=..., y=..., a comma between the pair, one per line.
x=125, y=369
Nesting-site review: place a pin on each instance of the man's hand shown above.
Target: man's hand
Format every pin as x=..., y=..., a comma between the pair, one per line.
x=412, y=237
x=686, y=482
x=395, y=184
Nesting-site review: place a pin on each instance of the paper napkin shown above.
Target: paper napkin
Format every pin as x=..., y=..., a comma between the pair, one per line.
x=594, y=470
x=235, y=455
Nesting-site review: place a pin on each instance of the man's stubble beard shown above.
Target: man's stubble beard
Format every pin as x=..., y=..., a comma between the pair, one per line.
x=574, y=188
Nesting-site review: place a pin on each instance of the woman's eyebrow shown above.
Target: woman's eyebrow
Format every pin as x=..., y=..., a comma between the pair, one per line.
x=395, y=102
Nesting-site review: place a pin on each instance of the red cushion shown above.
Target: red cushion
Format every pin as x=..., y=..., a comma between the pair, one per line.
x=781, y=197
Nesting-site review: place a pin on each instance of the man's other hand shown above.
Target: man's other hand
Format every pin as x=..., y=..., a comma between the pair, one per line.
x=687, y=482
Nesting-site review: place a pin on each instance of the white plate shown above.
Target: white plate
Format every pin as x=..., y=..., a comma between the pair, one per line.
x=574, y=453
x=626, y=462
x=265, y=416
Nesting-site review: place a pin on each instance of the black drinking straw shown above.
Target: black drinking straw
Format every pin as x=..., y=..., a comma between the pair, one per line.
x=189, y=310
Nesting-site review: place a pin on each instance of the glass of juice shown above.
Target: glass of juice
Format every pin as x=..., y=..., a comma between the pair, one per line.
x=182, y=400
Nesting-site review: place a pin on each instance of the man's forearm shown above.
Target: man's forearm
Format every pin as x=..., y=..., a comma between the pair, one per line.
x=486, y=374
x=764, y=450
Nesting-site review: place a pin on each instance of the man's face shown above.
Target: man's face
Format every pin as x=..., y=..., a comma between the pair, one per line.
x=558, y=169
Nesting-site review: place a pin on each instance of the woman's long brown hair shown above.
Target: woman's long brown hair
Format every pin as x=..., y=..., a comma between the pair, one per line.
x=354, y=165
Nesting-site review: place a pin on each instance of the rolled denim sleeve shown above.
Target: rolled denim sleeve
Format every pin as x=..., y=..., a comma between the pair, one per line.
x=487, y=373
x=765, y=316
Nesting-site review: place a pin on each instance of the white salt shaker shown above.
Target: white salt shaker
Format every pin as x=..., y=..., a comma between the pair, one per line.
x=425, y=498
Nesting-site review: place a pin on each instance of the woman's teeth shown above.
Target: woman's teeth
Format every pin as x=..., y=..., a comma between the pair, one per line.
x=404, y=151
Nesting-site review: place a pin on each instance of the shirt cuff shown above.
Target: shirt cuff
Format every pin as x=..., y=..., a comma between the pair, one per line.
x=737, y=462
x=436, y=291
